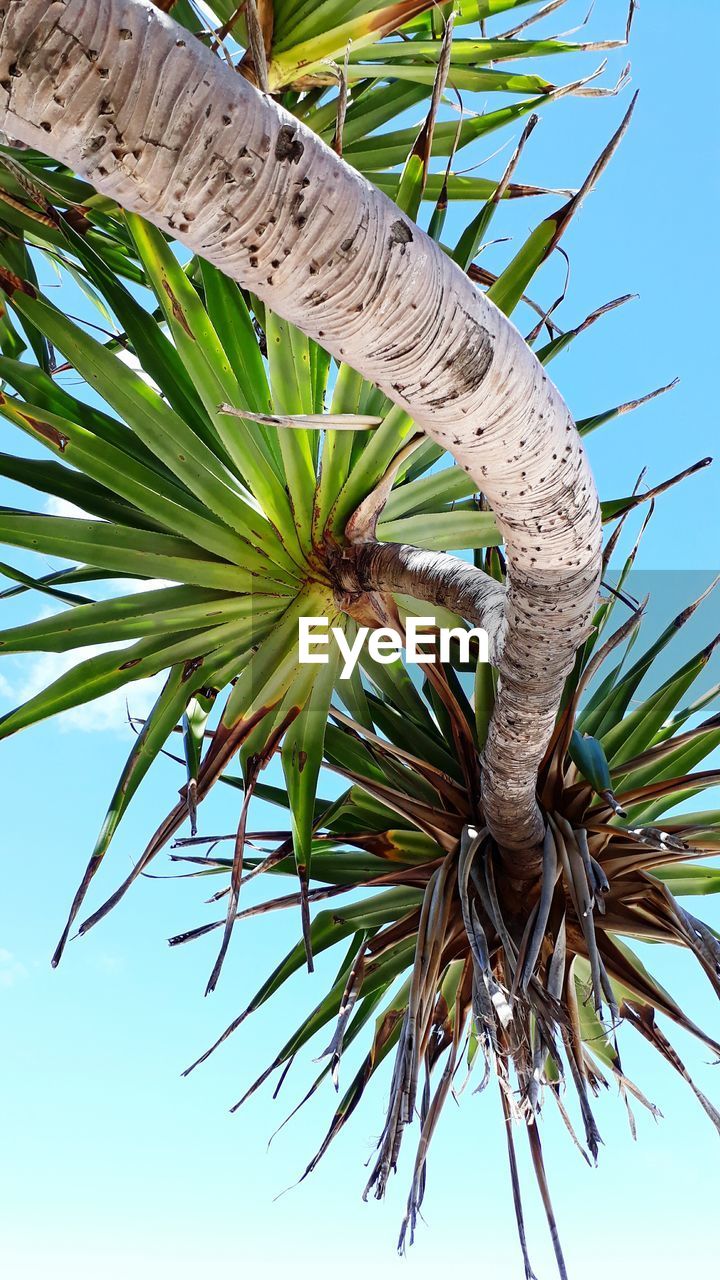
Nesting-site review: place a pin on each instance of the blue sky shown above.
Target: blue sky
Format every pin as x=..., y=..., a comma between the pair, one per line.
x=111, y=1163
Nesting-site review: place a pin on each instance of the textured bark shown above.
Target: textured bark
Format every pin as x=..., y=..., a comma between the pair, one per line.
x=432, y=576
x=128, y=99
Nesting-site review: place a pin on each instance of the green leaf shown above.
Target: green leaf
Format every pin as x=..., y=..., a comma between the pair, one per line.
x=394, y=683
x=158, y=426
x=636, y=731
x=170, y=609
x=484, y=700
x=429, y=493
x=291, y=382
x=231, y=320
x=330, y=927
x=385, y=150
x=418, y=737
x=210, y=369
x=49, y=581
x=377, y=979
x=275, y=664
x=182, y=681
x=668, y=763
x=511, y=284
x=446, y=531
x=43, y=476
x=465, y=53
x=160, y=500
x=456, y=186
x=321, y=39
x=367, y=112
x=106, y=672
x=371, y=466
x=592, y=1030
x=36, y=387
x=472, y=79
x=605, y=710
x=681, y=717
x=302, y=754
x=157, y=355
x=42, y=585
x=686, y=880
x=588, y=755
x=125, y=550
x=337, y=453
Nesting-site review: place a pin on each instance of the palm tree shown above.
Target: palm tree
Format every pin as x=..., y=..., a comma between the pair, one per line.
x=277, y=453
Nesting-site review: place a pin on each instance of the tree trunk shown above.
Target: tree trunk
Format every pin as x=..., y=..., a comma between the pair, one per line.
x=128, y=99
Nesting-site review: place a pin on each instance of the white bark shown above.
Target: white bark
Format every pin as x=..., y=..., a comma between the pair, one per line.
x=432, y=576
x=127, y=98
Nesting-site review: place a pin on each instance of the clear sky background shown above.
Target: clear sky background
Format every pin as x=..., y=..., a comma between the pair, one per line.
x=111, y=1164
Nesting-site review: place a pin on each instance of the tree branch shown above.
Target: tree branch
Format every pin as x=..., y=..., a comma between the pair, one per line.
x=432, y=576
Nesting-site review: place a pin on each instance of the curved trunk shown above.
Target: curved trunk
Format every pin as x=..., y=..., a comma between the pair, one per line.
x=124, y=96
x=432, y=576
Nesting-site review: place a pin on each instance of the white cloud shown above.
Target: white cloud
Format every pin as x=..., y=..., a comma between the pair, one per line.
x=132, y=585
x=34, y=672
x=105, y=714
x=132, y=362
x=61, y=507
x=11, y=970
